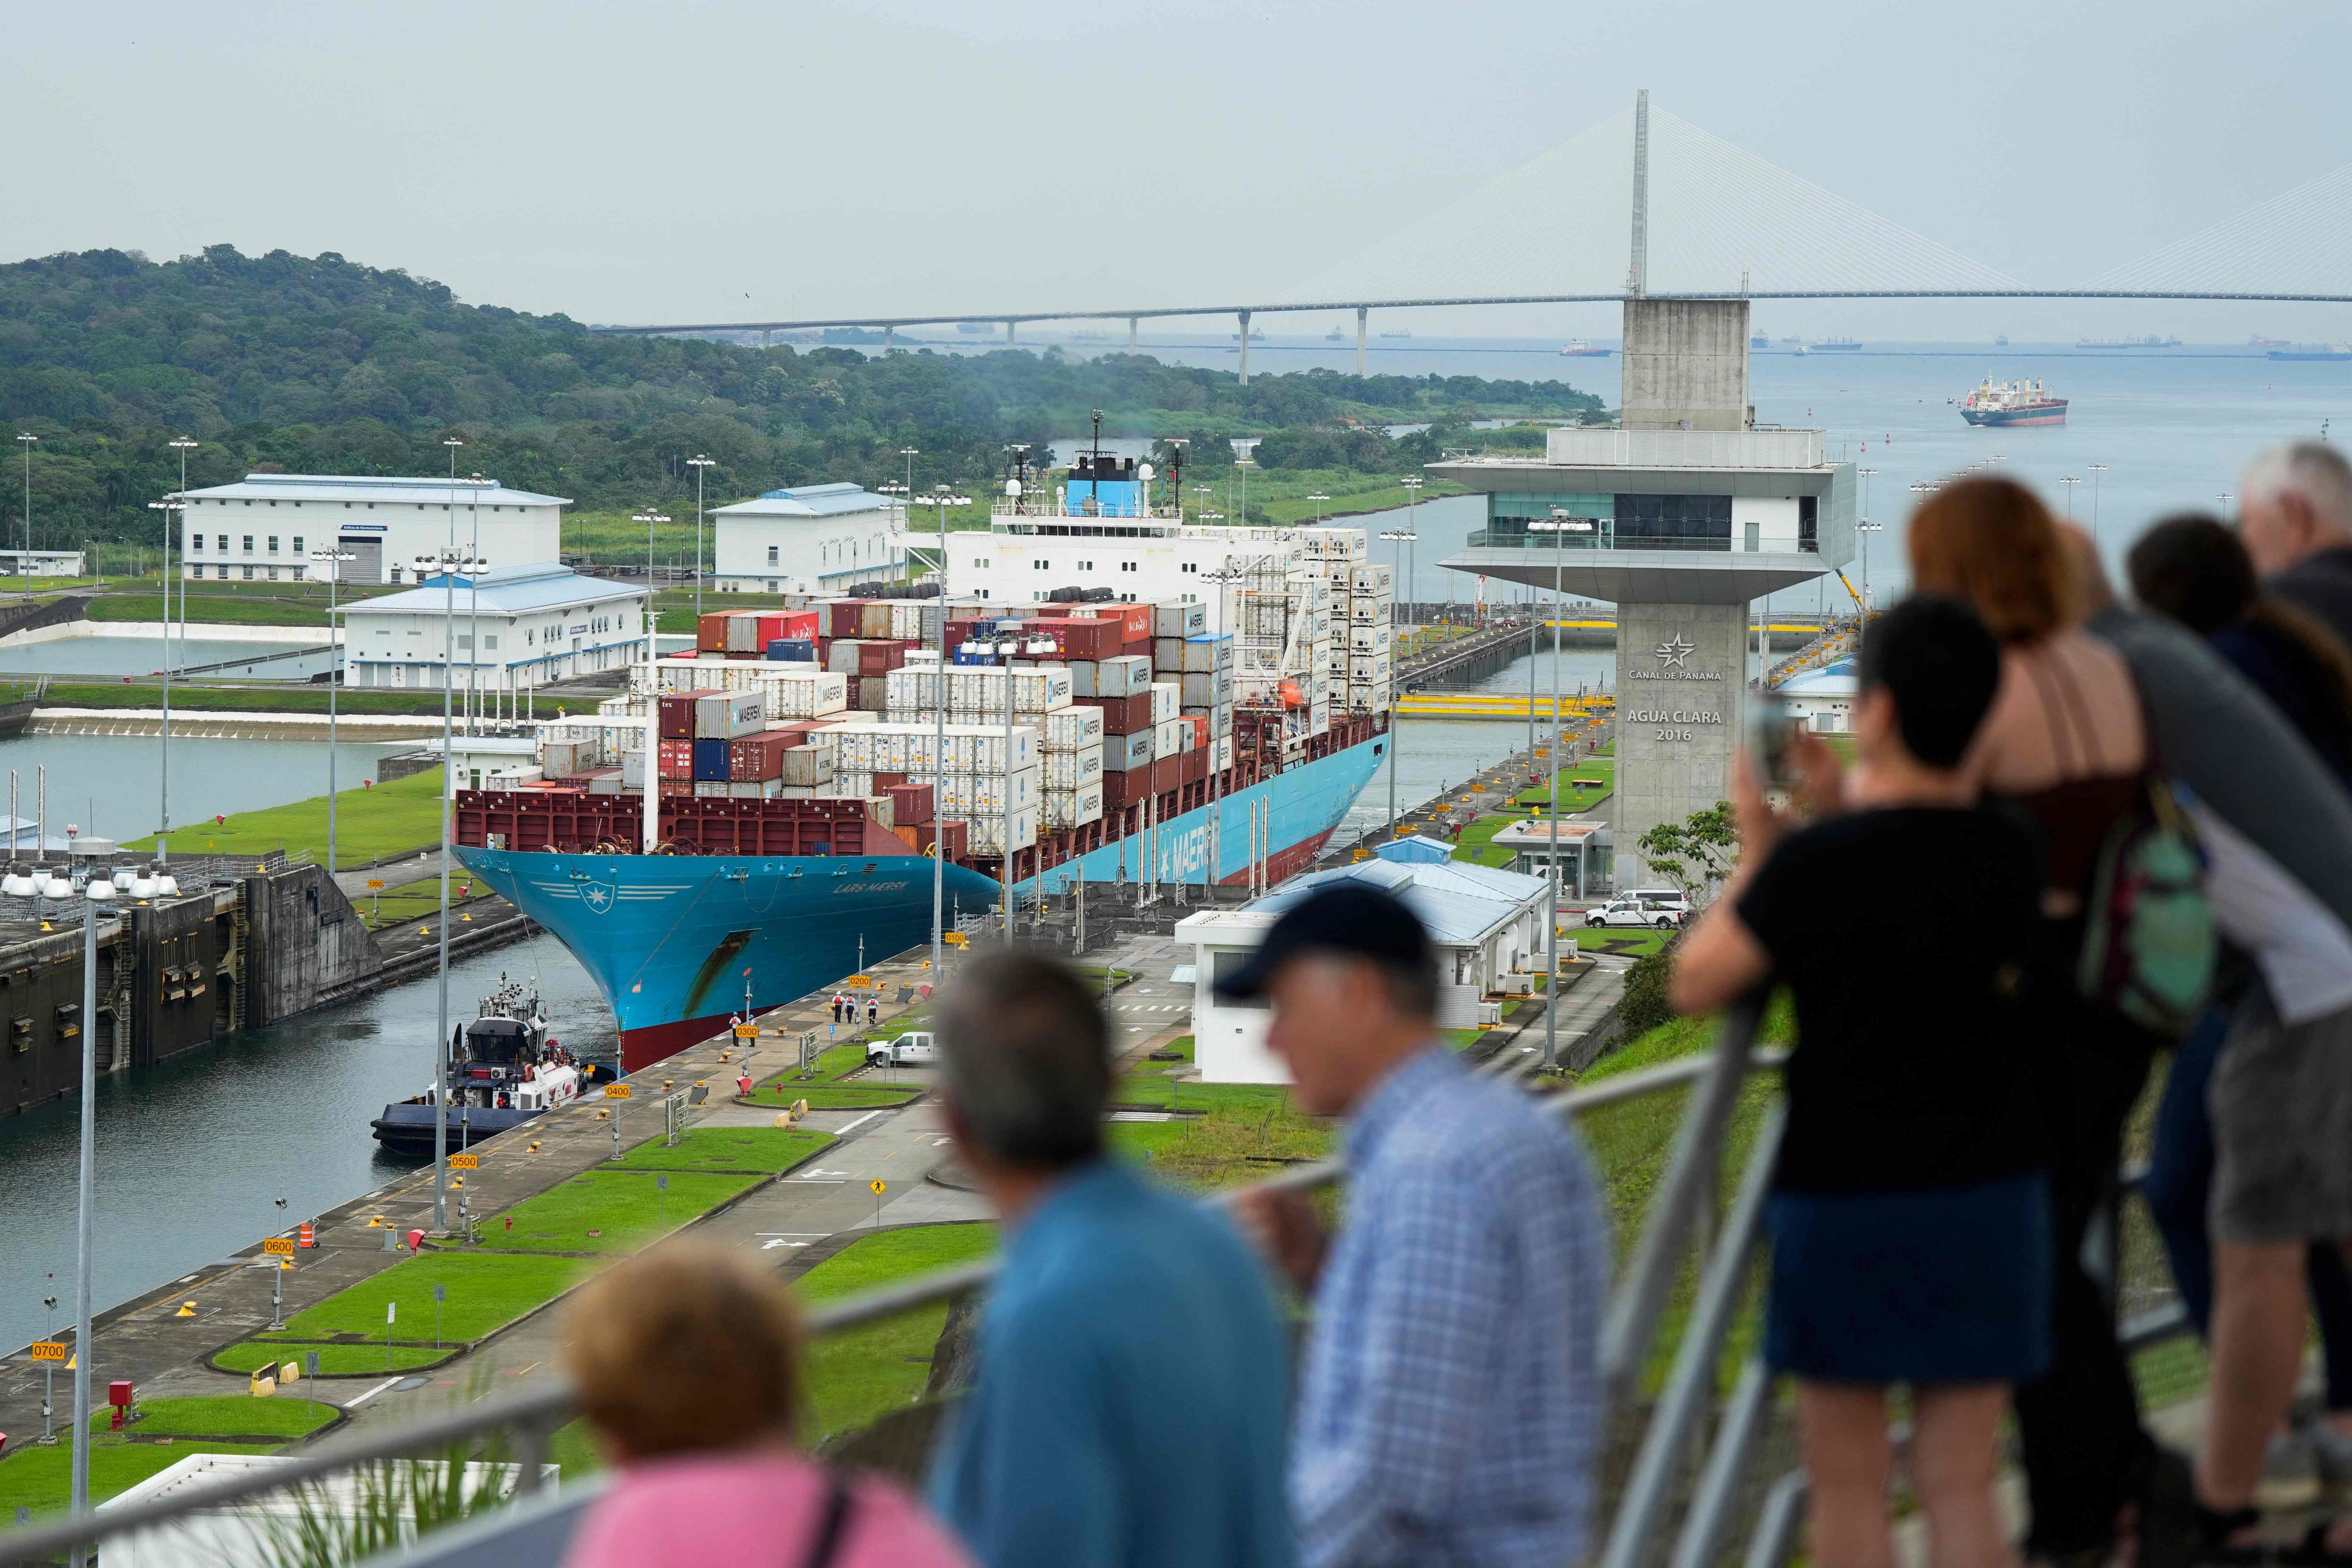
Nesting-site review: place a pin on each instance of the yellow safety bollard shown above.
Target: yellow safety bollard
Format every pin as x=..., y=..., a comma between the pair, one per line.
x=187, y=1310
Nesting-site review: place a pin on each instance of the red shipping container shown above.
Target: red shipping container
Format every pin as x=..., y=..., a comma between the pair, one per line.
x=801, y=624
x=1195, y=767
x=675, y=760
x=880, y=657
x=1166, y=774
x=953, y=838
x=1136, y=623
x=1092, y=639
x=1200, y=731
x=841, y=617
x=882, y=782
x=710, y=633
x=1122, y=715
x=910, y=804
x=677, y=716
x=961, y=630
x=770, y=628
x=1125, y=789
x=756, y=757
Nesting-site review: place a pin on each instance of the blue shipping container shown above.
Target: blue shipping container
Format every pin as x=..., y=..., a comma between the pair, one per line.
x=793, y=650
x=711, y=760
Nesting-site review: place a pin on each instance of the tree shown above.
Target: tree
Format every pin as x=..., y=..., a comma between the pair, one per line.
x=1694, y=854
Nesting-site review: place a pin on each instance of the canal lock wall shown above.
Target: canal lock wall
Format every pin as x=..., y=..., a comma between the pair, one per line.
x=174, y=977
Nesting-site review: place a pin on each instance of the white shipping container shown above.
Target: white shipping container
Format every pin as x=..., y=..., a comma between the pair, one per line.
x=798, y=691
x=1178, y=620
x=1074, y=808
x=1367, y=578
x=1368, y=666
x=1215, y=690
x=1067, y=729
x=755, y=789
x=1170, y=737
x=1365, y=640
x=1167, y=699
x=1221, y=718
x=808, y=766
x=1365, y=611
x=1128, y=675
x=1065, y=770
x=1122, y=753
x=1222, y=753
x=730, y=715
x=987, y=832
x=1206, y=654
x=980, y=690
x=711, y=788
x=633, y=771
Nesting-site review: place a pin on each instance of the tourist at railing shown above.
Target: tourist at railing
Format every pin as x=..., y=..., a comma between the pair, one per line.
x=2067, y=741
x=2295, y=512
x=2254, y=1132
x=687, y=1363
x=1911, y=1219
x=1128, y=1404
x=1451, y=1402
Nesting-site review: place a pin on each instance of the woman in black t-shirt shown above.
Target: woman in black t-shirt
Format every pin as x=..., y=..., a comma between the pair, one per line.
x=1910, y=1217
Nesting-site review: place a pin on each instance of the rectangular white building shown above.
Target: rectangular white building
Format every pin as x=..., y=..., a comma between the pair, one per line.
x=809, y=539
x=264, y=528
x=1485, y=923
x=517, y=628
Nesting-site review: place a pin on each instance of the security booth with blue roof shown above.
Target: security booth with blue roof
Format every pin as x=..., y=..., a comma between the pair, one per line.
x=1421, y=846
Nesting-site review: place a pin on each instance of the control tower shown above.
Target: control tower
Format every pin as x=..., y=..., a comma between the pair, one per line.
x=1683, y=516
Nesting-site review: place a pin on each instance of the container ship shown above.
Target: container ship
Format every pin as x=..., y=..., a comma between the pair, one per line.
x=813, y=763
x=2311, y=350
x=1837, y=346
x=2150, y=341
x=2008, y=402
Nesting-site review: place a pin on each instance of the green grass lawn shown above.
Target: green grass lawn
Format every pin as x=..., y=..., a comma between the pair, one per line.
x=334, y=1361
x=1603, y=770
x=214, y=609
x=411, y=901
x=387, y=819
x=1626, y=940
x=1476, y=844
x=486, y=1291
x=224, y=1415
x=861, y=1374
x=611, y=1211
x=1237, y=1132
x=1281, y=493
x=819, y=1087
x=740, y=1149
x=42, y=1479
x=255, y=697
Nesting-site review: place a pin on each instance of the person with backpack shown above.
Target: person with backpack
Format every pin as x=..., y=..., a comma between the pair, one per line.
x=688, y=1361
x=1910, y=1215
x=2065, y=742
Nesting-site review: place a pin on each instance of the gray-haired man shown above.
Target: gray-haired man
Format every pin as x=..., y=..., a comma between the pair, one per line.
x=1128, y=1408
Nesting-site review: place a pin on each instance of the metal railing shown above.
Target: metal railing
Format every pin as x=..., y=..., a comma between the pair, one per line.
x=1604, y=536
x=1665, y=1480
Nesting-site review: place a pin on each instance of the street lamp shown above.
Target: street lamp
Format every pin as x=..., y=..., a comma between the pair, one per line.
x=182, y=446
x=700, y=465
x=1866, y=527
x=1319, y=497
x=2096, y=469
x=2070, y=481
x=448, y=563
x=167, y=506
x=1411, y=483
x=96, y=894
x=333, y=559
x=24, y=564
x=939, y=734
x=1558, y=523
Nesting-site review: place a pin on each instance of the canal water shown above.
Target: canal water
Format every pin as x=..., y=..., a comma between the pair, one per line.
x=106, y=784
x=193, y=1155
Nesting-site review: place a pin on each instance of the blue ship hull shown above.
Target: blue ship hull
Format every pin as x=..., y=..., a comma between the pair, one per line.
x=675, y=942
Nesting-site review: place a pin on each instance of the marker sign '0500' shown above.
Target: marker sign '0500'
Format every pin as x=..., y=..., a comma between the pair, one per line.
x=465, y=1162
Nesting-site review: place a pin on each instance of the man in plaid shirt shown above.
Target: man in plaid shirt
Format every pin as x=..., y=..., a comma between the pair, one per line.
x=1451, y=1403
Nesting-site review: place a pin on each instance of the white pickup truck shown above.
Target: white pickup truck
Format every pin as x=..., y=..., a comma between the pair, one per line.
x=1631, y=912
x=916, y=1050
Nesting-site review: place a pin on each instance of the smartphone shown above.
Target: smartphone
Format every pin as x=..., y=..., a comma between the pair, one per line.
x=1772, y=731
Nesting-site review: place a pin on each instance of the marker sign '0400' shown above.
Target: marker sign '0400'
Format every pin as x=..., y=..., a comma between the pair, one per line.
x=617, y=1091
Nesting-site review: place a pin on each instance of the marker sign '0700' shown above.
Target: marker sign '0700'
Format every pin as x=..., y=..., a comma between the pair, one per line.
x=52, y=1349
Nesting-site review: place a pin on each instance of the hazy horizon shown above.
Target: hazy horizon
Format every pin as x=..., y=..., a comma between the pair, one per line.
x=721, y=161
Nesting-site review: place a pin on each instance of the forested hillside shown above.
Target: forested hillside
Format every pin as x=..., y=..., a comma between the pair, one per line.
x=319, y=364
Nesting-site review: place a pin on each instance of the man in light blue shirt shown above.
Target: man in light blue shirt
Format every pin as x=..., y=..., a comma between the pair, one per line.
x=1451, y=1399
x=1127, y=1408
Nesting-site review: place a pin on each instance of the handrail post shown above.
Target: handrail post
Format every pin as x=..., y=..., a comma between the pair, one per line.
x=1658, y=1251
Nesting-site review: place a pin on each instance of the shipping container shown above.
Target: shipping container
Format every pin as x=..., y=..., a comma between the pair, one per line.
x=711, y=788
x=1129, y=675
x=1122, y=753
x=1067, y=729
x=1080, y=765
x=743, y=633
x=710, y=761
x=1206, y=654
x=988, y=832
x=676, y=760
x=677, y=714
x=1076, y=806
x=1167, y=698
x=793, y=650
x=725, y=715
x=1178, y=620
x=711, y=632
x=1220, y=720
x=912, y=803
x=1211, y=690
x=1136, y=623
x=805, y=765
x=1125, y=715
x=1170, y=737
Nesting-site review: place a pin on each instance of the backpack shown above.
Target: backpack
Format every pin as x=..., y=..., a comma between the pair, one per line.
x=2149, y=944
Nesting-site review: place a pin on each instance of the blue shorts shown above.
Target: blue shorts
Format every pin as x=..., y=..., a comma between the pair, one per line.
x=1948, y=1285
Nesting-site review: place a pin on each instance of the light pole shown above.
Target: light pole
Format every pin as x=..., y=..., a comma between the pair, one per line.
x=939, y=740
x=2070, y=481
x=182, y=446
x=448, y=563
x=702, y=464
x=1319, y=497
x=24, y=564
x=96, y=894
x=474, y=608
x=650, y=831
x=1558, y=523
x=1866, y=527
x=164, y=770
x=1411, y=483
x=2096, y=469
x=1396, y=537
x=333, y=560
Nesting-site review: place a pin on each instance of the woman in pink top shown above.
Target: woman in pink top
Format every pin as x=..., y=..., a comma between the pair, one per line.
x=687, y=1366
x=2067, y=744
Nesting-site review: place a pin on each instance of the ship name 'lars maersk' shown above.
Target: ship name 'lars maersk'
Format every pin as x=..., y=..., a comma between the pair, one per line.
x=2008, y=403
x=1123, y=697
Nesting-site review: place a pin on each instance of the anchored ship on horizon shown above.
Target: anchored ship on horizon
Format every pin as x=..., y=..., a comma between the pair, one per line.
x=2008, y=403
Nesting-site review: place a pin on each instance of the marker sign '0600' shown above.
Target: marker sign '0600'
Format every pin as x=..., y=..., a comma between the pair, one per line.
x=279, y=1246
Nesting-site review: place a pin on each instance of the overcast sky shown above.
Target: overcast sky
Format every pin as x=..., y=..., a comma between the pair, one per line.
x=731, y=160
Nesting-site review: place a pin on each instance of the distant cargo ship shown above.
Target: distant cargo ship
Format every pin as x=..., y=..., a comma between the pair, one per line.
x=1579, y=349
x=1838, y=346
x=2260, y=341
x=2008, y=402
x=2150, y=341
x=2313, y=351
x=1761, y=341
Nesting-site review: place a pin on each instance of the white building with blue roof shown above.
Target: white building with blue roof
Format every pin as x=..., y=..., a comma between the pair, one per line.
x=265, y=527
x=808, y=539
x=515, y=628
x=1485, y=923
x=1823, y=701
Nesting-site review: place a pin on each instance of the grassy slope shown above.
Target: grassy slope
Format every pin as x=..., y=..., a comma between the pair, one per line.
x=864, y=1374
x=334, y=1361
x=386, y=819
x=258, y=697
x=611, y=1211
x=486, y=1291
x=224, y=1415
x=42, y=1479
x=744, y=1148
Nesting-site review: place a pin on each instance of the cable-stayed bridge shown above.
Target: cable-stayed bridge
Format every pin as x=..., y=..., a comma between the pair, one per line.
x=1647, y=205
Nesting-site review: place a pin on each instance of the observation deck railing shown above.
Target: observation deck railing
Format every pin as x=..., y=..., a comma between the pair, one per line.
x=1684, y=1468
x=1602, y=536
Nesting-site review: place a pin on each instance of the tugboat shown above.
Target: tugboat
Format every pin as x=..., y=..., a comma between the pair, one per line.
x=503, y=1071
x=2006, y=403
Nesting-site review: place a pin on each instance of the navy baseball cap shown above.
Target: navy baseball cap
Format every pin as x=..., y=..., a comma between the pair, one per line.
x=1347, y=918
